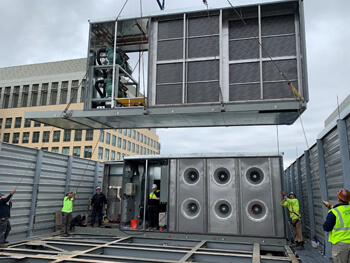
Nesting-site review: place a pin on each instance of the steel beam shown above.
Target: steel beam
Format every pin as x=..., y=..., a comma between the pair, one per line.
x=69, y=174
x=309, y=194
x=344, y=152
x=39, y=160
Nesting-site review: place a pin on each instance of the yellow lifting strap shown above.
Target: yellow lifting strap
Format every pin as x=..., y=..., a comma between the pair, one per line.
x=131, y=102
x=294, y=90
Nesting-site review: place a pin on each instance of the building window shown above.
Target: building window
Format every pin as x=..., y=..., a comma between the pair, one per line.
x=108, y=138
x=141, y=149
x=15, y=97
x=147, y=151
x=102, y=136
x=114, y=139
x=124, y=144
x=137, y=149
x=118, y=156
x=144, y=139
x=27, y=123
x=7, y=94
x=0, y=123
x=133, y=134
x=141, y=137
x=35, y=138
x=15, y=137
x=18, y=122
x=129, y=146
x=25, y=138
x=6, y=137
x=25, y=91
x=35, y=89
x=37, y=124
x=46, y=136
x=144, y=150
x=76, y=151
x=100, y=152
x=64, y=92
x=133, y=147
x=119, y=142
x=112, y=155
x=82, y=90
x=74, y=91
x=120, y=131
x=8, y=123
x=137, y=136
x=56, y=136
x=44, y=148
x=129, y=133
x=53, y=98
x=87, y=151
x=89, y=135
x=54, y=149
x=106, y=154
x=44, y=90
x=77, y=137
x=65, y=150
x=66, y=135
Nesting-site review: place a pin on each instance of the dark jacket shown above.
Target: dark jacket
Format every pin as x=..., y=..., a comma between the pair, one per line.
x=98, y=201
x=77, y=221
x=330, y=220
x=4, y=207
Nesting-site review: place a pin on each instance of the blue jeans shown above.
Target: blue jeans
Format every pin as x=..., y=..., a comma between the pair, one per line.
x=5, y=228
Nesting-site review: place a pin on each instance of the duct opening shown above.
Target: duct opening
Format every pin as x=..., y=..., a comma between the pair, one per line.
x=191, y=176
x=222, y=176
x=190, y=208
x=256, y=210
x=222, y=209
x=255, y=176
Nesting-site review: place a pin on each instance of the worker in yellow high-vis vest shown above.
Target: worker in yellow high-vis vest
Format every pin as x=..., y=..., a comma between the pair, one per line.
x=292, y=203
x=153, y=208
x=67, y=210
x=338, y=224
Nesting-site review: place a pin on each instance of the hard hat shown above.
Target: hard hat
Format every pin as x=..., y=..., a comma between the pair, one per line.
x=1, y=195
x=154, y=186
x=292, y=193
x=98, y=188
x=344, y=195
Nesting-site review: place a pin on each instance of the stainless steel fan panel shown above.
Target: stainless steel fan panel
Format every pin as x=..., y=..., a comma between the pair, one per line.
x=222, y=196
x=191, y=196
x=257, y=204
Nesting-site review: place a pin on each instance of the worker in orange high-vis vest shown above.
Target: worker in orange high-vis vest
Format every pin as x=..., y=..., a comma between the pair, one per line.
x=292, y=204
x=338, y=224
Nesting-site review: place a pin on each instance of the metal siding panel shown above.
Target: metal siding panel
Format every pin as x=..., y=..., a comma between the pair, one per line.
x=279, y=46
x=247, y=72
x=205, y=25
x=169, y=94
x=243, y=49
x=169, y=49
x=203, y=47
x=169, y=73
x=203, y=70
x=305, y=195
x=203, y=92
x=278, y=90
x=288, y=67
x=245, y=92
x=276, y=25
x=170, y=29
x=237, y=29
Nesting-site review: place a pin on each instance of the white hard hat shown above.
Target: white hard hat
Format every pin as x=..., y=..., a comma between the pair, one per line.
x=154, y=186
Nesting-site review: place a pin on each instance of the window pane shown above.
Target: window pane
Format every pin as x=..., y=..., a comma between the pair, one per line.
x=25, y=138
x=8, y=123
x=108, y=138
x=35, y=138
x=114, y=138
x=65, y=150
x=77, y=136
x=124, y=144
x=119, y=142
x=89, y=136
x=106, y=154
x=100, y=152
x=112, y=155
x=56, y=136
x=46, y=136
x=18, y=122
x=118, y=156
x=87, y=151
x=102, y=136
x=0, y=123
x=54, y=149
x=6, y=137
x=27, y=123
x=37, y=124
x=15, y=137
x=66, y=135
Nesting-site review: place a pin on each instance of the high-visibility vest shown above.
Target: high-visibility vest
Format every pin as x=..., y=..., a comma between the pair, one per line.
x=152, y=194
x=293, y=207
x=67, y=205
x=341, y=229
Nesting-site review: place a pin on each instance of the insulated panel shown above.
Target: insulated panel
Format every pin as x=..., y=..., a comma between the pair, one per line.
x=191, y=196
x=223, y=193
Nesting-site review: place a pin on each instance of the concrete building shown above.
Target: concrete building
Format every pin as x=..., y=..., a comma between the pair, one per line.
x=57, y=86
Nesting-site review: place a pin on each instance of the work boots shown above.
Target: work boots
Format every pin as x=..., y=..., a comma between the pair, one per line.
x=300, y=246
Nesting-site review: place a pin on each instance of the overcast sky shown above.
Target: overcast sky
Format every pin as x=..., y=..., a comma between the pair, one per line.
x=37, y=31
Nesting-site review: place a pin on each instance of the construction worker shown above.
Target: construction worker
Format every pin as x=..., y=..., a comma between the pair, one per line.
x=292, y=204
x=67, y=210
x=153, y=208
x=338, y=224
x=5, y=226
x=98, y=202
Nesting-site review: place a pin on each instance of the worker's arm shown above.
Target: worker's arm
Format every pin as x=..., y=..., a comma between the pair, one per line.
x=330, y=222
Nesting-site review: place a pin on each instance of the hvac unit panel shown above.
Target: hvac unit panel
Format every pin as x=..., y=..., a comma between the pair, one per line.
x=277, y=25
x=243, y=49
x=203, y=47
x=191, y=196
x=279, y=46
x=222, y=195
x=170, y=29
x=288, y=67
x=169, y=94
x=237, y=29
x=277, y=90
x=245, y=72
x=203, y=92
x=245, y=92
x=257, y=200
x=170, y=49
x=199, y=26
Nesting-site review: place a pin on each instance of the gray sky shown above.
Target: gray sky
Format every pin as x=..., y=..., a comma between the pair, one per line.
x=39, y=31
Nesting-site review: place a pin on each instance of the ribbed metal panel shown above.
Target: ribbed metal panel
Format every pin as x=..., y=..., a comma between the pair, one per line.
x=245, y=72
x=276, y=25
x=244, y=49
x=316, y=192
x=278, y=90
x=203, y=70
x=237, y=29
x=170, y=29
x=203, y=47
x=305, y=194
x=203, y=92
x=244, y=92
x=333, y=166
x=279, y=46
x=170, y=49
x=17, y=168
x=17, y=164
x=169, y=94
x=288, y=67
x=169, y=73
x=200, y=26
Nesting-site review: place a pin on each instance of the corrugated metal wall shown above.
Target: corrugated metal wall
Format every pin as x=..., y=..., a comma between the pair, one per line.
x=326, y=172
x=56, y=174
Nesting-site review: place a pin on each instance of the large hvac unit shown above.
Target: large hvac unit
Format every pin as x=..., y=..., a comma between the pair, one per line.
x=205, y=68
x=228, y=194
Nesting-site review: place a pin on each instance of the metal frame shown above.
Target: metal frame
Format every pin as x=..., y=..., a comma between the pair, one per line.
x=121, y=247
x=310, y=195
x=344, y=152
